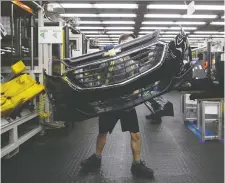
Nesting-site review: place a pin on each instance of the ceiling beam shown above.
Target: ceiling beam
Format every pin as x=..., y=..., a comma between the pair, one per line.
x=208, y=23
x=101, y=20
x=140, y=13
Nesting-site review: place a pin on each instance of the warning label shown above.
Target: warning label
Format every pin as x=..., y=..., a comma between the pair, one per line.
x=50, y=35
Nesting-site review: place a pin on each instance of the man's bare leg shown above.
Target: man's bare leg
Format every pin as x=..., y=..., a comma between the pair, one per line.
x=136, y=145
x=100, y=144
x=139, y=168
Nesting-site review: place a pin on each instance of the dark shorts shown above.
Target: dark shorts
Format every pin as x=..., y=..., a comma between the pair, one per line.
x=128, y=119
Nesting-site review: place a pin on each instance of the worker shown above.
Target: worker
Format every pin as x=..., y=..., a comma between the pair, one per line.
x=129, y=122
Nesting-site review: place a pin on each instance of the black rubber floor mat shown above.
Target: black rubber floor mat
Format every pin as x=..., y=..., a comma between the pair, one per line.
x=170, y=149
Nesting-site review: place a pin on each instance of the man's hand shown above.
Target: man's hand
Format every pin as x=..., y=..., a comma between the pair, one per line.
x=110, y=51
x=136, y=92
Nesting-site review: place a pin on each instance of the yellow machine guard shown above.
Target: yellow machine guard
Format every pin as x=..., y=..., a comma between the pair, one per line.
x=17, y=92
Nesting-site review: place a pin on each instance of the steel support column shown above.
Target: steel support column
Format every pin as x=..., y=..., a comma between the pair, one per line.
x=209, y=55
x=32, y=23
x=140, y=12
x=66, y=41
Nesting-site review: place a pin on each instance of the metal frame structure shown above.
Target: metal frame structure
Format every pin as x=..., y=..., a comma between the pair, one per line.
x=45, y=60
x=79, y=44
x=200, y=107
x=10, y=125
x=186, y=106
x=89, y=49
x=202, y=104
x=45, y=52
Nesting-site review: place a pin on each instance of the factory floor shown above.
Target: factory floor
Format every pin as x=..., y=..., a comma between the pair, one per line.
x=171, y=149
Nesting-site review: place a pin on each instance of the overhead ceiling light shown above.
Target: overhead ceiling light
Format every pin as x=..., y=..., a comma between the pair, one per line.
x=206, y=35
x=183, y=7
x=190, y=23
x=80, y=27
x=119, y=6
x=222, y=16
x=120, y=28
x=165, y=38
x=218, y=23
x=170, y=28
x=104, y=35
x=209, y=7
x=154, y=28
x=199, y=16
x=170, y=22
x=5, y=50
x=208, y=32
x=108, y=32
x=78, y=15
x=173, y=32
x=145, y=32
x=90, y=22
x=111, y=6
x=196, y=41
x=168, y=35
x=119, y=32
x=185, y=28
x=199, y=38
x=99, y=15
x=156, y=23
x=11, y=48
x=90, y=32
x=178, y=16
x=107, y=22
x=166, y=6
x=112, y=28
x=162, y=16
x=118, y=22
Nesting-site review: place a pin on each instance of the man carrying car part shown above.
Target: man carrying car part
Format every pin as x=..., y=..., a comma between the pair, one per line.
x=129, y=122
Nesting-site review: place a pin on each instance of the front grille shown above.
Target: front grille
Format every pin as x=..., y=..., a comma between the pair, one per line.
x=125, y=102
x=118, y=69
x=141, y=70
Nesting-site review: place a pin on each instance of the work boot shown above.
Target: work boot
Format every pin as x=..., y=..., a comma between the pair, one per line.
x=92, y=164
x=141, y=170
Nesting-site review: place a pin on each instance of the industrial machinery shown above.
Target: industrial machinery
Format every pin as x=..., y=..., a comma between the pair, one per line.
x=208, y=76
x=18, y=91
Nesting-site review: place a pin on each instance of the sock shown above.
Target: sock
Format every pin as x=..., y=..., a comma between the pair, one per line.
x=98, y=156
x=136, y=161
